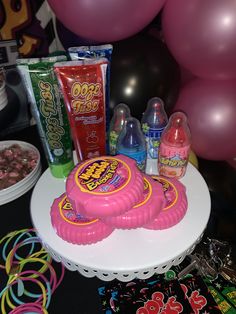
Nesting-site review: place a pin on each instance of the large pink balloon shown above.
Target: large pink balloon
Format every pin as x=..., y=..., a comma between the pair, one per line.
x=106, y=20
x=201, y=35
x=211, y=110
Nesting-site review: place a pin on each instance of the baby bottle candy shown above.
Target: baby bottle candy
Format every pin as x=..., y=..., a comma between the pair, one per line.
x=121, y=112
x=175, y=147
x=153, y=122
x=131, y=142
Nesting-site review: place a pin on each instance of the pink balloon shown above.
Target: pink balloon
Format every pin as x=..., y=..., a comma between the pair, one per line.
x=211, y=110
x=106, y=20
x=186, y=76
x=232, y=162
x=201, y=35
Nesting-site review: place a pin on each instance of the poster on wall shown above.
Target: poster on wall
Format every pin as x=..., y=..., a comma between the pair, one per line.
x=26, y=31
x=30, y=24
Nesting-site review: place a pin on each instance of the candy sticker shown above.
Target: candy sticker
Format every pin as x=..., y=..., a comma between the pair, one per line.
x=102, y=176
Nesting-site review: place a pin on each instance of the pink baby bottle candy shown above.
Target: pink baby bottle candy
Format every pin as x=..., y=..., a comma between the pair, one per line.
x=175, y=147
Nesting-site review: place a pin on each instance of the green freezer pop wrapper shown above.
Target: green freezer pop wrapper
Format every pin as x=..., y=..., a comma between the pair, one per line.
x=49, y=112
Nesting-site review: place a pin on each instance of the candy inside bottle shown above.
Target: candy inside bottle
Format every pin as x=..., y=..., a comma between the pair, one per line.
x=121, y=113
x=131, y=142
x=177, y=132
x=153, y=123
x=175, y=147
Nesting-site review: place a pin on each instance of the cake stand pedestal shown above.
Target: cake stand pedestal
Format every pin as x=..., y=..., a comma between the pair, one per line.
x=125, y=254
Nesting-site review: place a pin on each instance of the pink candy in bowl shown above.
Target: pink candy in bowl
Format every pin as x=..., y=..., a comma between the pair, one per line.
x=20, y=169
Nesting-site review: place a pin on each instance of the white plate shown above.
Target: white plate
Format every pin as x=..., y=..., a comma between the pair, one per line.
x=16, y=190
x=125, y=254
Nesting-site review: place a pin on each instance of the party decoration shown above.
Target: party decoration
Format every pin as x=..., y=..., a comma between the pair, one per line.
x=27, y=265
x=211, y=110
x=106, y=20
x=142, y=68
x=174, y=147
x=232, y=162
x=201, y=36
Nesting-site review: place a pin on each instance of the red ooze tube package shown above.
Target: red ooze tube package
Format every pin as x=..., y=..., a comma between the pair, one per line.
x=83, y=87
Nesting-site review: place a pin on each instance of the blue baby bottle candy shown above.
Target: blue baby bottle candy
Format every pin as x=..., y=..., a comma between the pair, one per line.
x=153, y=122
x=121, y=113
x=131, y=142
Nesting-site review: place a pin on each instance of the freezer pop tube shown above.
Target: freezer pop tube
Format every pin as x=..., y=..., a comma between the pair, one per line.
x=49, y=112
x=83, y=86
x=90, y=52
x=93, y=52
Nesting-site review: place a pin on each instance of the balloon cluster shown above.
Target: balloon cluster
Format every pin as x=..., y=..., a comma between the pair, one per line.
x=106, y=20
x=201, y=37
x=28, y=266
x=142, y=66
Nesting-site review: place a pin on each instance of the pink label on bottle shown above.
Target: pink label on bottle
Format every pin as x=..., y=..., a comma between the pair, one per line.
x=103, y=176
x=68, y=214
x=173, y=160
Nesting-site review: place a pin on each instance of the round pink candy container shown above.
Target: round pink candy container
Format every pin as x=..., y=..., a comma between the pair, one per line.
x=150, y=206
x=176, y=204
x=105, y=186
x=75, y=228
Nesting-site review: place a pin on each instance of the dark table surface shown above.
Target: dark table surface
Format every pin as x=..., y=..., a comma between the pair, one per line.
x=78, y=294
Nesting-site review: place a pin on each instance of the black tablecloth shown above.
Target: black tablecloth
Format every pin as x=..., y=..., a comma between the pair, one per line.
x=78, y=294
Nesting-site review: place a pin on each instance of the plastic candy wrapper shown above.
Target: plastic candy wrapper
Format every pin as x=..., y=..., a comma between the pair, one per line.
x=199, y=284
x=49, y=112
x=93, y=52
x=224, y=293
x=162, y=293
x=144, y=297
x=83, y=86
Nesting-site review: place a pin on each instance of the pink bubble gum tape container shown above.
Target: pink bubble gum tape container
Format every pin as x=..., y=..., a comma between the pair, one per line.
x=75, y=228
x=152, y=202
x=105, y=186
x=176, y=204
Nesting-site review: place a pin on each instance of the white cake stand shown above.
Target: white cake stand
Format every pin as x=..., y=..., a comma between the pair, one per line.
x=125, y=254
